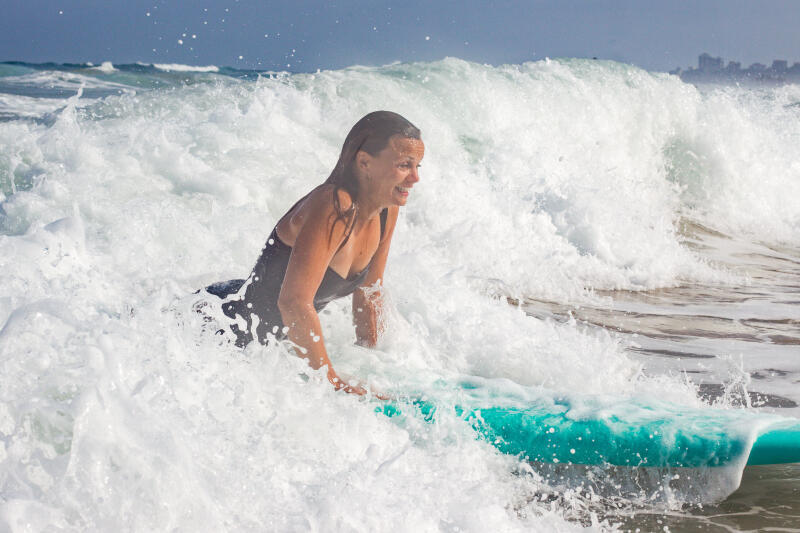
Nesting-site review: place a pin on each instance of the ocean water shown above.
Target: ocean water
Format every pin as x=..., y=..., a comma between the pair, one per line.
x=581, y=227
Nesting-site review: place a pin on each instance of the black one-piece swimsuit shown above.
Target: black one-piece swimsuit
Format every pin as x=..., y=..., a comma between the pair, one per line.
x=256, y=302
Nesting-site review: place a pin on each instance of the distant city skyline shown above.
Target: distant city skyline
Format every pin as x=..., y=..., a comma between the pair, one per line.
x=304, y=35
x=711, y=68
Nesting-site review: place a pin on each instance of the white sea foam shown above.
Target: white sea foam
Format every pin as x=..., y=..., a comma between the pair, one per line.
x=57, y=79
x=736, y=160
x=540, y=180
x=105, y=67
x=30, y=107
x=176, y=67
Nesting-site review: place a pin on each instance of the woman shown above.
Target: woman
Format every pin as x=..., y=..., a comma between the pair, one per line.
x=332, y=243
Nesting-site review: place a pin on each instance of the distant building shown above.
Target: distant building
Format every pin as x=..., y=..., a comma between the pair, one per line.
x=779, y=65
x=733, y=67
x=706, y=63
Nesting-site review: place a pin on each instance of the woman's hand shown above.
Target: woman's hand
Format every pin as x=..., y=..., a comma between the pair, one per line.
x=340, y=384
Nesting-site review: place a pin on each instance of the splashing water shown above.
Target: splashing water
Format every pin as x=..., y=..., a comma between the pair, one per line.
x=124, y=189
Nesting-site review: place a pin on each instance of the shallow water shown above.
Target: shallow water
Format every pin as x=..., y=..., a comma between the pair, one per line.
x=767, y=500
x=738, y=344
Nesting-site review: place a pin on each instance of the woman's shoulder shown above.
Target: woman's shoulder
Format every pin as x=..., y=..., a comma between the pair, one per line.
x=320, y=205
x=317, y=209
x=327, y=196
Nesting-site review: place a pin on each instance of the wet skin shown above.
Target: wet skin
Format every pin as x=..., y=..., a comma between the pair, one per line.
x=385, y=181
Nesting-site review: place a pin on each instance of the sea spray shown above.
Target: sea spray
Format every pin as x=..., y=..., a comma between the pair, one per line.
x=545, y=180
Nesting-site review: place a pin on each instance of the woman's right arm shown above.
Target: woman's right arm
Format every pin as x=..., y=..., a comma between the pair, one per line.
x=317, y=241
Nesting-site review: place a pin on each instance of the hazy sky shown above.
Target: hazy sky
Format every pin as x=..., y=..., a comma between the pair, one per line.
x=658, y=35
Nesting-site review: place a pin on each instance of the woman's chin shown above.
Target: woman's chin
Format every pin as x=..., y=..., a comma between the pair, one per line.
x=399, y=197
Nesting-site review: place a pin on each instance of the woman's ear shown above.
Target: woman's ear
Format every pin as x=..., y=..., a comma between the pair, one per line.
x=362, y=160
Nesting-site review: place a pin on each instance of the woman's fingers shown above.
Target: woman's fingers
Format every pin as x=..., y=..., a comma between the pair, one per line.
x=340, y=384
x=355, y=389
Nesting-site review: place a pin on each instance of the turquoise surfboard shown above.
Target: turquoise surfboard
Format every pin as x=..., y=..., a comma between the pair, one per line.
x=543, y=427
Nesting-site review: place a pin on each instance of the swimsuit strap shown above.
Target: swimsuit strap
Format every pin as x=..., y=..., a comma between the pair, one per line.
x=384, y=215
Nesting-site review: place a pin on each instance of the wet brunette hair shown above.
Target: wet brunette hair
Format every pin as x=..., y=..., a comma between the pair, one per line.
x=370, y=134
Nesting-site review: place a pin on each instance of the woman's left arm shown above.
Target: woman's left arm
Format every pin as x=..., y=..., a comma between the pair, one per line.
x=368, y=297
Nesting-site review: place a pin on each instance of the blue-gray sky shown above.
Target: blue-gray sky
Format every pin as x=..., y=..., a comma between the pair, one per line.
x=300, y=35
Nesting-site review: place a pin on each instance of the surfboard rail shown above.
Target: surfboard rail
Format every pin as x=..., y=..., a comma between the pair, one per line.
x=630, y=434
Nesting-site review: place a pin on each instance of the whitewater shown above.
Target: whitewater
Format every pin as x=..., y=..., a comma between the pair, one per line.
x=582, y=227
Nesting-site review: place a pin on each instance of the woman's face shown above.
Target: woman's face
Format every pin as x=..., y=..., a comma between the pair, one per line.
x=393, y=172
